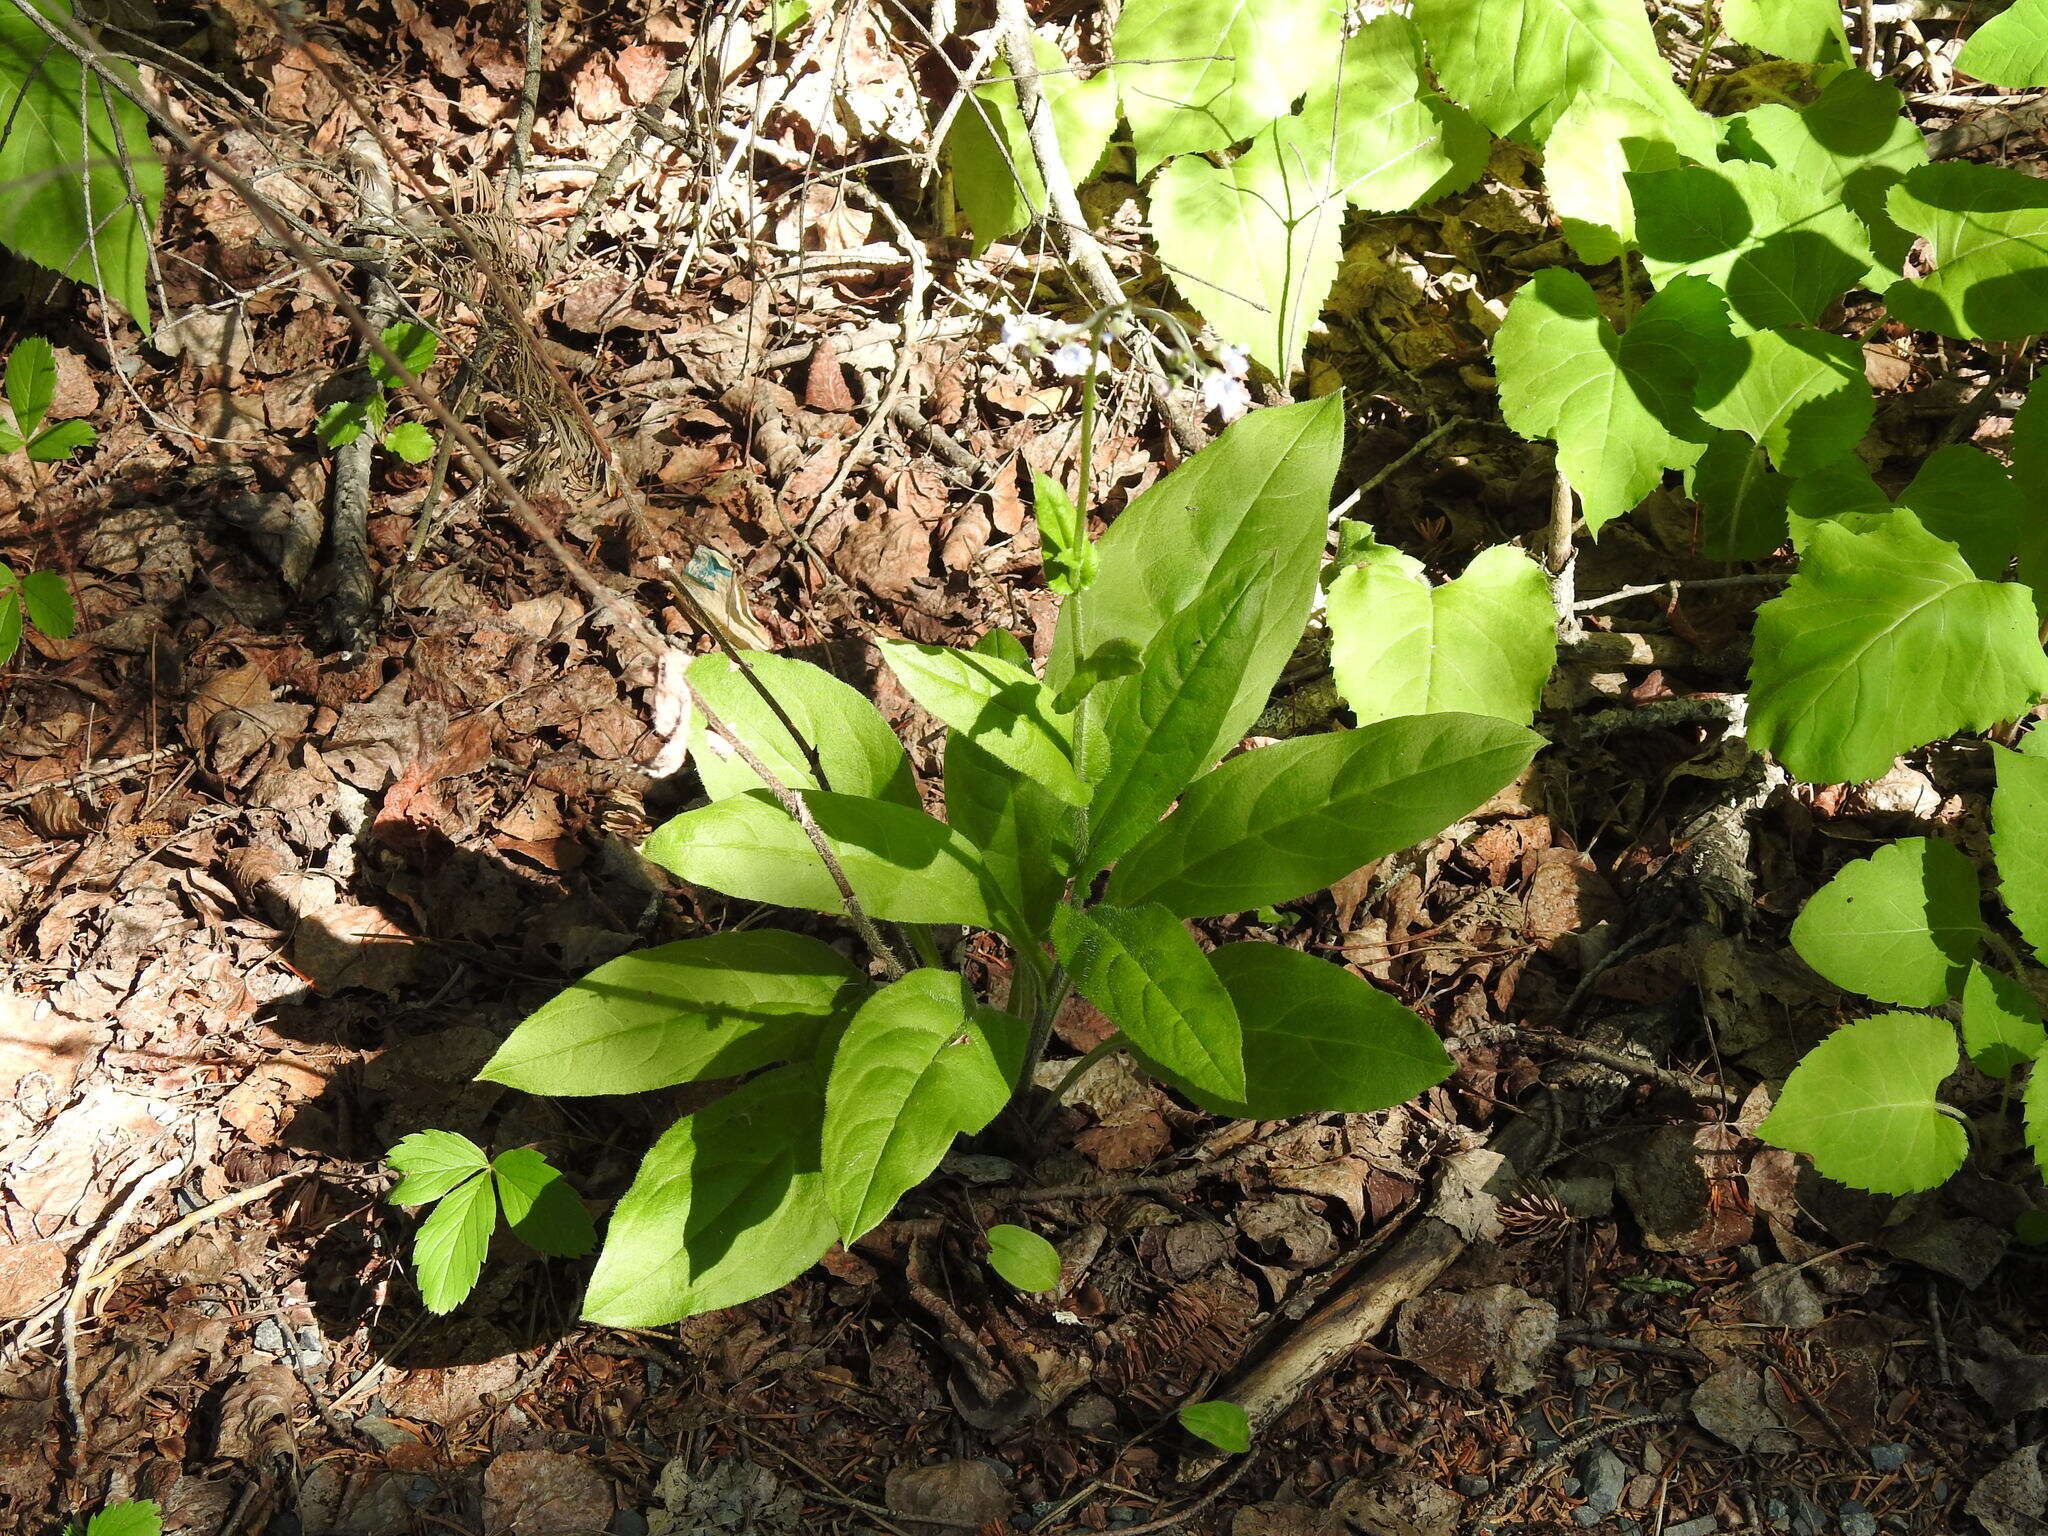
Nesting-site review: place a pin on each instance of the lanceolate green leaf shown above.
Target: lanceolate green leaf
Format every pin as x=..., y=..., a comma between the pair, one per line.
x=1286, y=820
x=998, y=705
x=1203, y=74
x=854, y=745
x=1862, y=1105
x=31, y=383
x=1901, y=926
x=1987, y=229
x=905, y=866
x=2001, y=1022
x=449, y=1251
x=83, y=182
x=1565, y=374
x=727, y=1206
x=1316, y=1037
x=995, y=175
x=1520, y=64
x=1481, y=644
x=1026, y=840
x=1800, y=393
x=919, y=1065
x=1143, y=969
x=2010, y=50
x=1884, y=642
x=678, y=1013
x=2019, y=839
x=1023, y=1258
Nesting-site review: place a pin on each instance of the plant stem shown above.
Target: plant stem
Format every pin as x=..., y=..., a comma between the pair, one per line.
x=1051, y=998
x=1079, y=1070
x=920, y=936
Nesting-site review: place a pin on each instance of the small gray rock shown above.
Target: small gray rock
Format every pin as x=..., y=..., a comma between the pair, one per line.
x=1705, y=1525
x=1587, y=1516
x=270, y=1338
x=1472, y=1485
x=1602, y=1478
x=1569, y=1487
x=1889, y=1458
x=1808, y=1519
x=1778, y=1512
x=1856, y=1520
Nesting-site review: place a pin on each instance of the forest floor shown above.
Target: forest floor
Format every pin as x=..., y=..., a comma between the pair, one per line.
x=266, y=908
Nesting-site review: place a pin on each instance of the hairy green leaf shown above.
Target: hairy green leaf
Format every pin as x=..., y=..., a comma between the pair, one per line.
x=1143, y=969
x=1862, y=1105
x=905, y=866
x=1481, y=644
x=855, y=747
x=2010, y=50
x=1987, y=232
x=1884, y=642
x=1023, y=1258
x=920, y=1064
x=996, y=704
x=2001, y=1022
x=540, y=1207
x=1901, y=926
x=1285, y=820
x=1799, y=393
x=679, y=1013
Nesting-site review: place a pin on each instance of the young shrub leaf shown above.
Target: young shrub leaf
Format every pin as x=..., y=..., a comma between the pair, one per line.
x=56, y=443
x=995, y=174
x=1316, y=1038
x=1883, y=642
x=1862, y=1105
x=1800, y=393
x=2019, y=836
x=1742, y=499
x=433, y=1163
x=1023, y=1258
x=540, y=1207
x=411, y=441
x=1482, y=644
x=920, y=1064
x=713, y=1007
x=1144, y=970
x=31, y=383
x=1027, y=841
x=449, y=1251
x=996, y=704
x=1988, y=230
x=1285, y=820
x=856, y=748
x=905, y=866
x=1207, y=73
x=1222, y=1424
x=49, y=605
x=1618, y=407
x=2001, y=1022
x=1901, y=926
x=729, y=1205
x=132, y=1517
x=10, y=617
x=413, y=344
x=2010, y=50
x=1066, y=550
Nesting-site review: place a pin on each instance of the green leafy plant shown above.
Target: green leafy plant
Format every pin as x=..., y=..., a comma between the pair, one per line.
x=39, y=598
x=1223, y=1424
x=367, y=404
x=1023, y=1258
x=135, y=1517
x=468, y=1189
x=1103, y=762
x=31, y=385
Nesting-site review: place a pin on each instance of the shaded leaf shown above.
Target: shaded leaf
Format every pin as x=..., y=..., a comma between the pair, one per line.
x=1143, y=969
x=1901, y=926
x=1862, y=1105
x=540, y=1207
x=1023, y=1258
x=2001, y=1022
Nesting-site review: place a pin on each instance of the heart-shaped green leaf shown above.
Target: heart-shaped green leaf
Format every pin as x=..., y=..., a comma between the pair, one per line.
x=1901, y=926
x=1862, y=1105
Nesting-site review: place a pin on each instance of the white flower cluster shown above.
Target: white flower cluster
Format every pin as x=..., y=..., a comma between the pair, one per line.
x=1066, y=345
x=1221, y=385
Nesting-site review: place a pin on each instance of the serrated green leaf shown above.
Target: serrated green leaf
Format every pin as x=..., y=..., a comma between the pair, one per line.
x=31, y=383
x=413, y=344
x=995, y=174
x=1799, y=393
x=1884, y=642
x=1809, y=31
x=1143, y=969
x=1852, y=143
x=1027, y=841
x=2019, y=836
x=1316, y=1038
x=1287, y=819
x=1742, y=499
x=2036, y=1109
x=1023, y=1258
x=342, y=422
x=905, y=866
x=1394, y=141
x=920, y=1064
x=1519, y=65
x=1842, y=492
x=2001, y=1022
x=1608, y=401
x=1862, y=1105
x=1204, y=74
x=1987, y=233
x=10, y=625
x=998, y=705
x=1586, y=163
x=1066, y=550
x=1781, y=249
x=433, y=1163
x=1901, y=926
x=1222, y=1424
x=449, y=1251
x=540, y=1207
x=857, y=750
x=729, y=1205
x=49, y=605
x=2010, y=50
x=678, y=1013
x=411, y=441
x=132, y=1517
x=1962, y=494
x=56, y=443
x=1481, y=644
x=84, y=184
